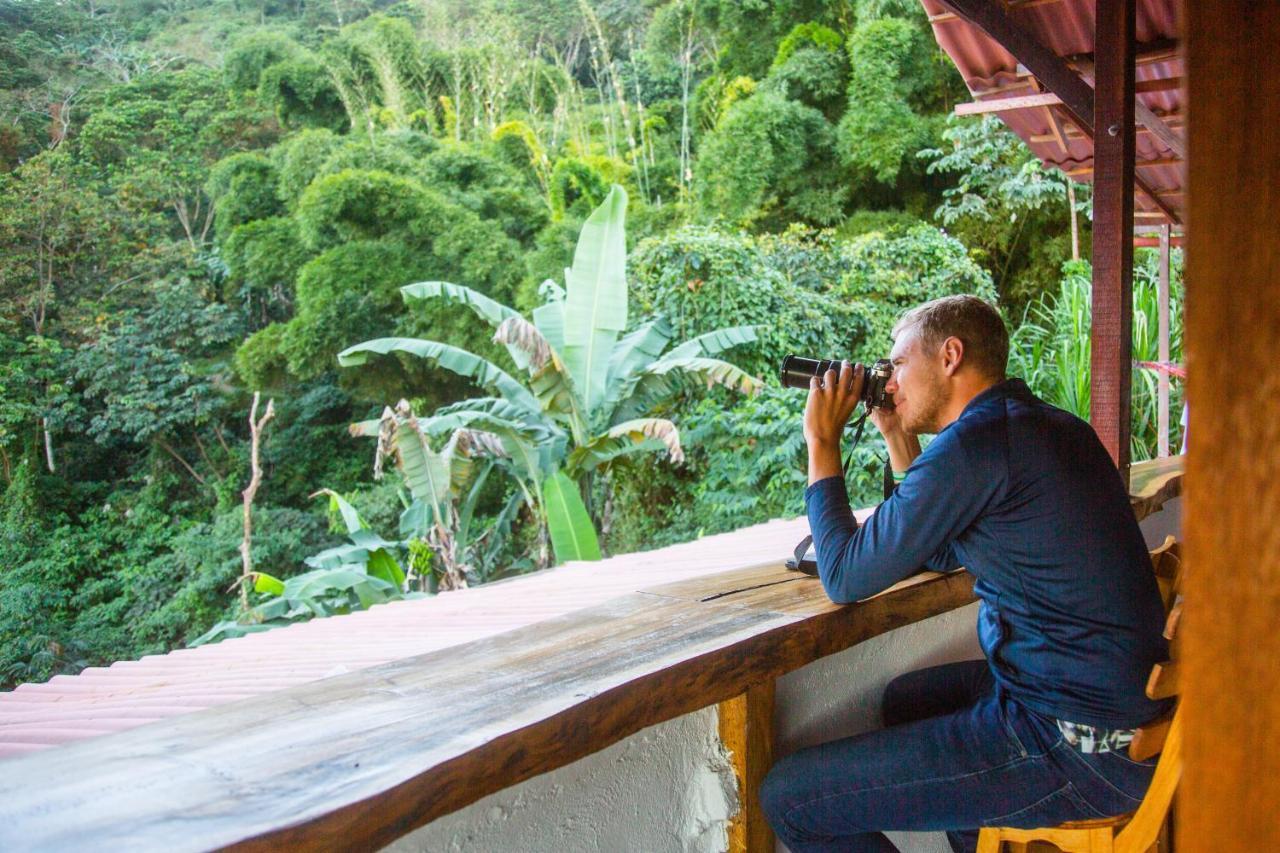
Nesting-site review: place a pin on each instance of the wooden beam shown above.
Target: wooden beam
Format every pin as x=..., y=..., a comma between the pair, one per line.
x=1138, y=164
x=1049, y=68
x=1113, y=183
x=1156, y=50
x=1171, y=119
x=1162, y=131
x=1060, y=136
x=1231, y=779
x=1011, y=5
x=1025, y=102
x=1161, y=84
x=746, y=730
x=1157, y=198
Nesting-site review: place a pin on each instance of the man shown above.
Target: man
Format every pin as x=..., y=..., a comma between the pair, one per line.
x=1025, y=497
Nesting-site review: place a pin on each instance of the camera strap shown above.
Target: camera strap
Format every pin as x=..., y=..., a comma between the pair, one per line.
x=857, y=436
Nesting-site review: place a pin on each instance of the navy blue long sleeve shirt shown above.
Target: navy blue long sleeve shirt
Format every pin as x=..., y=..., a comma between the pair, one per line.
x=1024, y=496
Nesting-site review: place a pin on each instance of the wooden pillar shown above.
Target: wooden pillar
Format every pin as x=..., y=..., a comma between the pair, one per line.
x=1162, y=378
x=1113, y=153
x=1231, y=648
x=746, y=729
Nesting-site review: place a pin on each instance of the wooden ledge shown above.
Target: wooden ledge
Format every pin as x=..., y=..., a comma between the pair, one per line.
x=1154, y=483
x=359, y=760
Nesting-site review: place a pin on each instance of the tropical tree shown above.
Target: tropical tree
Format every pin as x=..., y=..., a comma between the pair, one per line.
x=591, y=389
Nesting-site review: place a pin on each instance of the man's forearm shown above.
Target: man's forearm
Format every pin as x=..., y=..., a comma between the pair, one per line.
x=824, y=461
x=903, y=447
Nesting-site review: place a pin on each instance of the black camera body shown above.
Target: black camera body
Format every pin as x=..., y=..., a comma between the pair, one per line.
x=797, y=371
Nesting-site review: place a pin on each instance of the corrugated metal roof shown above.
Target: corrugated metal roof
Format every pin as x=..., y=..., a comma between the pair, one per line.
x=1066, y=27
x=102, y=700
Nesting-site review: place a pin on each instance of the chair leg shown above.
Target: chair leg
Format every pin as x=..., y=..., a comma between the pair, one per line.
x=989, y=841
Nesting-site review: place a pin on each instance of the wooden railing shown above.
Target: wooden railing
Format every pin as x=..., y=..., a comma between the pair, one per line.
x=359, y=760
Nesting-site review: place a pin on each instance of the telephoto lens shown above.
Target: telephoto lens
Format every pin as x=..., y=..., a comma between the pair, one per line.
x=797, y=371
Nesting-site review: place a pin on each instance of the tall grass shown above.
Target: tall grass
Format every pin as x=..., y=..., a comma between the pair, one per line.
x=1051, y=350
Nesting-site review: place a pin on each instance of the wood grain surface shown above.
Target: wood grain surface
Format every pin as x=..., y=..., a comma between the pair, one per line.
x=1231, y=659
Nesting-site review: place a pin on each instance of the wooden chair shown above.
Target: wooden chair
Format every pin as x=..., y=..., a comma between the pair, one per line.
x=1142, y=831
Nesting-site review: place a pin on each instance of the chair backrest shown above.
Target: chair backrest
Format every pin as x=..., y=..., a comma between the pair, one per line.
x=1163, y=736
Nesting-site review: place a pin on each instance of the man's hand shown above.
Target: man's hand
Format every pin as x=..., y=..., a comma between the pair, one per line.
x=830, y=404
x=903, y=446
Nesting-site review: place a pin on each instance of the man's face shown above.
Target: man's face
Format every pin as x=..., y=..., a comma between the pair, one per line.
x=918, y=384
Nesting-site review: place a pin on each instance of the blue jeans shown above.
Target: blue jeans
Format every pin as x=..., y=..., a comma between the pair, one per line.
x=957, y=754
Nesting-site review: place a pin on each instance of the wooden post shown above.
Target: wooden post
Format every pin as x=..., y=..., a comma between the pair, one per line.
x=1162, y=378
x=746, y=729
x=1113, y=155
x=1231, y=648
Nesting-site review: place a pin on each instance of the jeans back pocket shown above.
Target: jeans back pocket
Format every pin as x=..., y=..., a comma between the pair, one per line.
x=1057, y=807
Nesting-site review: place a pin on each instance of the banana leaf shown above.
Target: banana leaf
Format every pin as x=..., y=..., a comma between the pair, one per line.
x=638, y=348
x=665, y=378
x=634, y=436
x=425, y=471
x=494, y=313
x=549, y=318
x=338, y=503
x=595, y=307
x=713, y=343
x=482, y=372
x=572, y=534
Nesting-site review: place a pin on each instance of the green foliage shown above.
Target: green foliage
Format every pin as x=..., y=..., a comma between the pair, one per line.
x=760, y=163
x=1001, y=188
x=252, y=54
x=568, y=524
x=805, y=35
x=300, y=159
x=153, y=372
x=892, y=272
x=301, y=92
x=589, y=391
x=243, y=186
x=880, y=129
x=263, y=258
x=701, y=279
x=344, y=289
x=1051, y=348
x=575, y=185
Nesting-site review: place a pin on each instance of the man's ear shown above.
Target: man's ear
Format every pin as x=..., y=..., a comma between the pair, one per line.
x=952, y=355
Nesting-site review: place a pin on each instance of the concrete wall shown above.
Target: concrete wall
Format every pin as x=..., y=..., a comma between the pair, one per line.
x=670, y=787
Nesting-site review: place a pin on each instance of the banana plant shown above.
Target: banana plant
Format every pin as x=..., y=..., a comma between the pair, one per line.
x=590, y=390
x=445, y=484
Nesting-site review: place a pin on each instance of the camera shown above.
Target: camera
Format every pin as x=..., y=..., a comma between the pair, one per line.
x=797, y=370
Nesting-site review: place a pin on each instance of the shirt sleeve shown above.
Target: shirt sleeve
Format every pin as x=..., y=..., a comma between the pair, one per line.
x=946, y=489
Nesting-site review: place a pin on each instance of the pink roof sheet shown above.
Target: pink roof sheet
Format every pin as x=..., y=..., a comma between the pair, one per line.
x=101, y=700
x=1066, y=27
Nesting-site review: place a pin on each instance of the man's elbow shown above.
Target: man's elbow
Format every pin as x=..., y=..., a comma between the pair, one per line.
x=838, y=586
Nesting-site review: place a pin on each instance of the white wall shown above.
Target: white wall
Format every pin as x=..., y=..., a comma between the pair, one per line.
x=670, y=787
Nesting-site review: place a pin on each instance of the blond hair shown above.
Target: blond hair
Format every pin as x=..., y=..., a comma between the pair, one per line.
x=974, y=321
